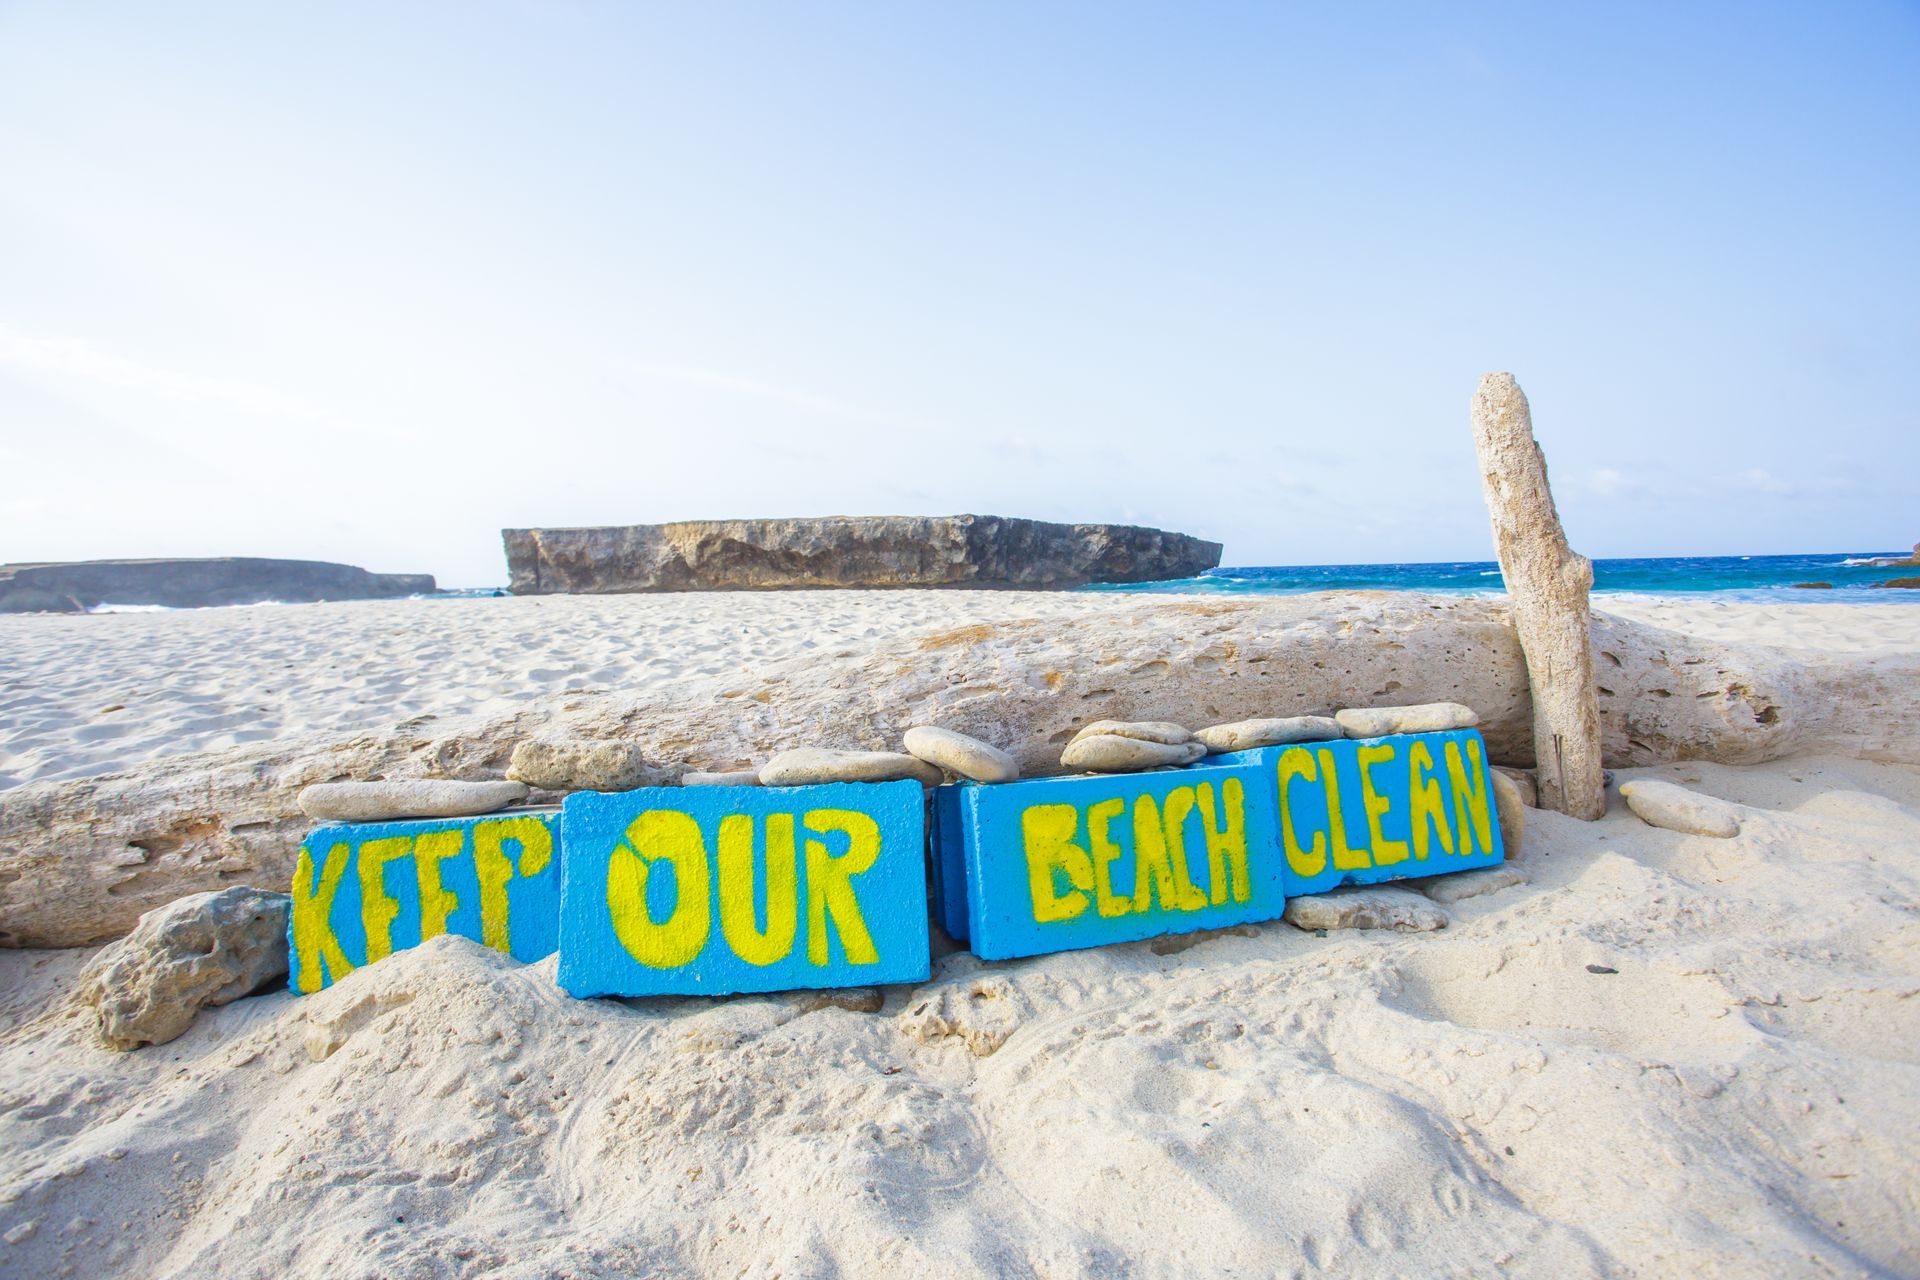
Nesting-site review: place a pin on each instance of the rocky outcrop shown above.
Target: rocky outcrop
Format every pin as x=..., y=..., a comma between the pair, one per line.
x=206, y=949
x=840, y=551
x=80, y=860
x=188, y=584
x=1898, y=561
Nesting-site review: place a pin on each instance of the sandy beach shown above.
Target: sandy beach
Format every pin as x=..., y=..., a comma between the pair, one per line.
x=1665, y=1055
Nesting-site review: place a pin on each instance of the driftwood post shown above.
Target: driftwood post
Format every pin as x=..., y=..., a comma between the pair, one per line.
x=1547, y=582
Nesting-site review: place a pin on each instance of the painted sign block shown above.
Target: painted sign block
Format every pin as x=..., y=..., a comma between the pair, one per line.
x=1057, y=864
x=709, y=890
x=362, y=891
x=1372, y=809
x=949, y=862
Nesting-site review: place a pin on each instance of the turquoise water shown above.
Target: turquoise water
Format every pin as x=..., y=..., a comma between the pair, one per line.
x=1728, y=577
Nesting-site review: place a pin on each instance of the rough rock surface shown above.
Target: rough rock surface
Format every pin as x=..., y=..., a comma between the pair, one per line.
x=962, y=754
x=1140, y=730
x=1512, y=808
x=1245, y=735
x=724, y=778
x=1429, y=717
x=1664, y=804
x=80, y=860
x=1523, y=779
x=804, y=766
x=406, y=798
x=1470, y=884
x=204, y=949
x=582, y=764
x=841, y=551
x=185, y=584
x=1365, y=907
x=1110, y=753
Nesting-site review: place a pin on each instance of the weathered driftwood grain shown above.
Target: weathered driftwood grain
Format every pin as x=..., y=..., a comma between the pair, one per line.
x=1548, y=582
x=80, y=860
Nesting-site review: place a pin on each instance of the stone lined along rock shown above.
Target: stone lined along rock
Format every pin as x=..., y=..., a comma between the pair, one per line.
x=1141, y=730
x=188, y=584
x=1512, y=809
x=1461, y=885
x=582, y=764
x=204, y=949
x=1662, y=804
x=1426, y=717
x=729, y=778
x=1246, y=735
x=1110, y=753
x=1547, y=585
x=1365, y=907
x=80, y=860
x=958, y=753
x=1521, y=778
x=804, y=766
x=841, y=551
x=407, y=798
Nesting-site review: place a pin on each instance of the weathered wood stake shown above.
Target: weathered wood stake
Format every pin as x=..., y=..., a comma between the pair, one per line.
x=1547, y=582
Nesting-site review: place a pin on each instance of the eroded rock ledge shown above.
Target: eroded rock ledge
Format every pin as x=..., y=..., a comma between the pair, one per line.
x=190, y=584
x=841, y=551
x=81, y=860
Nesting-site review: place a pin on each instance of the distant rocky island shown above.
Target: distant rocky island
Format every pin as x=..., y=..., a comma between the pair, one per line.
x=185, y=584
x=839, y=551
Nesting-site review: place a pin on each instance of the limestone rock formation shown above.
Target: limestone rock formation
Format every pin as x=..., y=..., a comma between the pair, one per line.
x=185, y=584
x=1432, y=717
x=843, y=551
x=583, y=764
x=1375, y=906
x=80, y=860
x=1269, y=731
x=406, y=798
x=205, y=949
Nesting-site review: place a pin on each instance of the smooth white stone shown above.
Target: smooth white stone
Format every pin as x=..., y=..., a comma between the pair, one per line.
x=1245, y=735
x=1108, y=753
x=1427, y=717
x=407, y=798
x=804, y=766
x=1663, y=804
x=957, y=753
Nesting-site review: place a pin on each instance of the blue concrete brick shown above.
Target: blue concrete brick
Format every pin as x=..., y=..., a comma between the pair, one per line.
x=359, y=890
x=1458, y=829
x=636, y=920
x=1055, y=864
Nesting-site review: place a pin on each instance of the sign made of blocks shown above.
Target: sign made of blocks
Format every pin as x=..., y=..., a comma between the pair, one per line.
x=1363, y=811
x=710, y=890
x=365, y=890
x=1058, y=864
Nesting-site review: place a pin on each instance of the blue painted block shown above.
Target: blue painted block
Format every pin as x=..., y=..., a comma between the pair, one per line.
x=364, y=890
x=949, y=862
x=1362, y=811
x=1056, y=864
x=710, y=890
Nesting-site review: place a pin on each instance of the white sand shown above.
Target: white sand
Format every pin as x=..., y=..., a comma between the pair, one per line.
x=1741, y=1098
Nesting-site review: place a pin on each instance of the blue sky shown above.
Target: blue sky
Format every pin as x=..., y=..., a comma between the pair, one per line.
x=368, y=282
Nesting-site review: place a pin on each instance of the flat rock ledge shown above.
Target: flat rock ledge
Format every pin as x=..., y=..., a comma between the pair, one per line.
x=1428, y=717
x=80, y=860
x=842, y=551
x=1366, y=907
x=1461, y=885
x=1665, y=804
x=1269, y=731
x=805, y=766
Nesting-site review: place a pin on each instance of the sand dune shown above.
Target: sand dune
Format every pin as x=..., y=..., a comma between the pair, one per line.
x=1740, y=1097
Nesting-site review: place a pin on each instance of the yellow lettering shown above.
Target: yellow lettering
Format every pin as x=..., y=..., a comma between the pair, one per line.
x=436, y=903
x=738, y=917
x=1385, y=851
x=1104, y=851
x=1178, y=805
x=313, y=938
x=1047, y=831
x=1429, y=816
x=1297, y=762
x=1344, y=858
x=1469, y=795
x=657, y=835
x=1226, y=843
x=378, y=909
x=830, y=884
x=1152, y=866
x=490, y=860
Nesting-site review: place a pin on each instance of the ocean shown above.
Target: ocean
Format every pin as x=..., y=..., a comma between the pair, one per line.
x=1752, y=578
